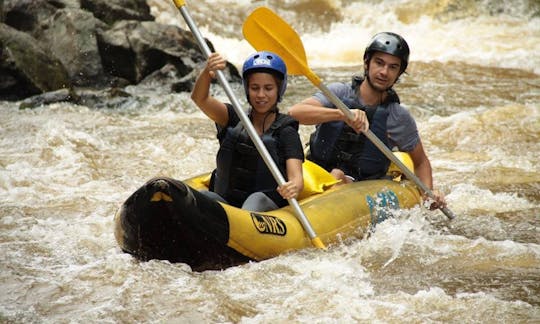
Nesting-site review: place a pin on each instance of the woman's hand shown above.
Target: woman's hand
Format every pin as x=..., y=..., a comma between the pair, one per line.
x=215, y=62
x=288, y=190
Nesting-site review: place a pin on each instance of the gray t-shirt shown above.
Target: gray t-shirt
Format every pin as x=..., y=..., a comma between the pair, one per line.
x=401, y=127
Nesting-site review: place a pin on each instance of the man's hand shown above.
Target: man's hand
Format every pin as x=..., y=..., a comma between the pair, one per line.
x=436, y=203
x=359, y=122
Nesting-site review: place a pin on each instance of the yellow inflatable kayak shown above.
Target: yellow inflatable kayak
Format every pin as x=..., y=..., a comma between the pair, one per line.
x=171, y=220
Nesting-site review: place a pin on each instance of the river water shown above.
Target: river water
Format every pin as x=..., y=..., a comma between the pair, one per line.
x=474, y=89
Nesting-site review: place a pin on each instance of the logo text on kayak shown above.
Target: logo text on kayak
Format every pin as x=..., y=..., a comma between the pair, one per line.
x=266, y=224
x=381, y=206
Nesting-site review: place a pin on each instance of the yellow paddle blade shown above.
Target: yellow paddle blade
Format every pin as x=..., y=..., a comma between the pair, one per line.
x=265, y=30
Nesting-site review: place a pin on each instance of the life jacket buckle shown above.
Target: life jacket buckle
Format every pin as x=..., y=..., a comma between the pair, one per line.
x=344, y=156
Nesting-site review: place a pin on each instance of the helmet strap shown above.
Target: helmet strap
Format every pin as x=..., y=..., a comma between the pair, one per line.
x=273, y=110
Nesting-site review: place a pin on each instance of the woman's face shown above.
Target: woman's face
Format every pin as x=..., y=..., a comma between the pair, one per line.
x=262, y=91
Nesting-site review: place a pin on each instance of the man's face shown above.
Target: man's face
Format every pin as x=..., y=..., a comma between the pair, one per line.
x=384, y=69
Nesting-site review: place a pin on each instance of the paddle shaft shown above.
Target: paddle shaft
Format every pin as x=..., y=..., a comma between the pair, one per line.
x=249, y=127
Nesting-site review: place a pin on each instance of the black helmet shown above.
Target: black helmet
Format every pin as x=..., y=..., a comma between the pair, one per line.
x=389, y=43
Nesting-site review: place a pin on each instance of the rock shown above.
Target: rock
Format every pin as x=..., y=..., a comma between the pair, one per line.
x=25, y=68
x=27, y=15
x=70, y=35
x=111, y=11
x=110, y=98
x=47, y=45
x=134, y=49
x=183, y=86
x=46, y=98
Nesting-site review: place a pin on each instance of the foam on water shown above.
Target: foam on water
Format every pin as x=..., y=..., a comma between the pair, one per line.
x=508, y=39
x=64, y=170
x=471, y=197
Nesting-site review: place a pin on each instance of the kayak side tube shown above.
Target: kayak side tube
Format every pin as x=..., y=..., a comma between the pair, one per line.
x=338, y=213
x=172, y=220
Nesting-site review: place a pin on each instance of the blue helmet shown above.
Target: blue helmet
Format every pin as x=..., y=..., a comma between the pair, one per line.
x=268, y=62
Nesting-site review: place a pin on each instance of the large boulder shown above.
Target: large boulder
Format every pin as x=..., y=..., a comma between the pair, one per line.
x=134, y=49
x=25, y=68
x=27, y=15
x=91, y=44
x=70, y=36
x=111, y=11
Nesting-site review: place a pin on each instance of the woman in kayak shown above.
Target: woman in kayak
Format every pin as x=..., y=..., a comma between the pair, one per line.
x=241, y=177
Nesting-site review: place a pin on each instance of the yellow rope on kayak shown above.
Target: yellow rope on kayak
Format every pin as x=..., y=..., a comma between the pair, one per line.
x=159, y=196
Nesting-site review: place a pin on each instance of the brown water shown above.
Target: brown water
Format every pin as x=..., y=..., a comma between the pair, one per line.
x=65, y=169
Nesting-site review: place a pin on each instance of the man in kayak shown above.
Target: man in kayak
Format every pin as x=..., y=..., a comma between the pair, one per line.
x=338, y=144
x=241, y=177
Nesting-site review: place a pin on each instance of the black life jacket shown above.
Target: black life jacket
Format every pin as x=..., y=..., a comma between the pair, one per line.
x=240, y=169
x=336, y=145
